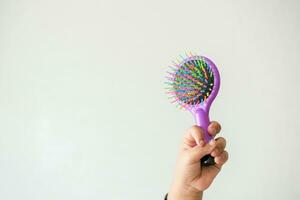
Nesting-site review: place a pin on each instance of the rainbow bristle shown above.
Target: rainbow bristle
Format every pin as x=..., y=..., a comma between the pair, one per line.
x=191, y=81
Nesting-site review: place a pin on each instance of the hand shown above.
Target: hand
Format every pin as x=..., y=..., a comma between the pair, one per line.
x=191, y=179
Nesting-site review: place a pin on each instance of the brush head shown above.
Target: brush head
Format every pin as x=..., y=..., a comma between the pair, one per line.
x=192, y=81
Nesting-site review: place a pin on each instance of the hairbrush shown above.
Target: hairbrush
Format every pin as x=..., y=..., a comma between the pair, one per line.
x=193, y=83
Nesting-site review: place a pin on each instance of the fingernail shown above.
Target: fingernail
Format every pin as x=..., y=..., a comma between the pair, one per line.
x=201, y=143
x=215, y=152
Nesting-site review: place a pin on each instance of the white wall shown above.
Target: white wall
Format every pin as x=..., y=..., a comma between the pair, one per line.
x=83, y=114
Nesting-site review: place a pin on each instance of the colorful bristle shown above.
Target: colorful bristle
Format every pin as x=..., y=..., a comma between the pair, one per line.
x=191, y=81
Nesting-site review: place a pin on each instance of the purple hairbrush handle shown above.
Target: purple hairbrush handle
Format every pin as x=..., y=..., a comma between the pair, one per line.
x=202, y=120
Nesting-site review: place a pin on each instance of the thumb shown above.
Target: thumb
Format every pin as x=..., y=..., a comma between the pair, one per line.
x=197, y=152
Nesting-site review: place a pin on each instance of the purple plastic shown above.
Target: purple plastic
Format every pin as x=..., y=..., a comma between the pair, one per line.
x=201, y=111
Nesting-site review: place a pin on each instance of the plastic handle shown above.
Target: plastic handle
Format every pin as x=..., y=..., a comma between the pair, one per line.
x=202, y=120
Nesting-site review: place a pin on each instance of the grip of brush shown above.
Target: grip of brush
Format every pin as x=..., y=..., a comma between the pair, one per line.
x=202, y=120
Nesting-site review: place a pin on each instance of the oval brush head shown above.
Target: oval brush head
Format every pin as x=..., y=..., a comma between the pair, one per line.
x=194, y=83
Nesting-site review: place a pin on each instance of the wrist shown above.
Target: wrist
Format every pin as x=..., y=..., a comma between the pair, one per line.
x=184, y=193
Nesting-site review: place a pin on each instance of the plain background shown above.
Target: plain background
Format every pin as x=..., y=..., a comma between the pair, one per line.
x=83, y=113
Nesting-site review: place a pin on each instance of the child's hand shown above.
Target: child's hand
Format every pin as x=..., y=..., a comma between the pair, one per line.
x=191, y=179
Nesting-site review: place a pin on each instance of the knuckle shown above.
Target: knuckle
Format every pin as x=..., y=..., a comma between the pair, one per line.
x=224, y=156
x=195, y=130
x=221, y=142
x=218, y=126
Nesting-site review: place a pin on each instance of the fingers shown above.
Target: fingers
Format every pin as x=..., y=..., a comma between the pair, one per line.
x=195, y=134
x=193, y=137
x=220, y=146
x=214, y=147
x=196, y=153
x=221, y=159
x=214, y=128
